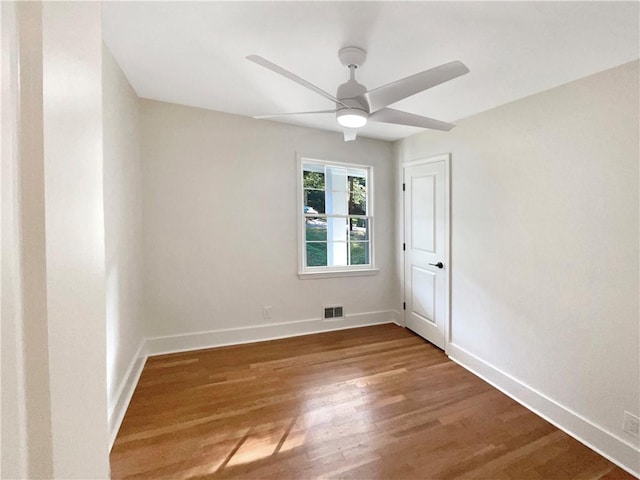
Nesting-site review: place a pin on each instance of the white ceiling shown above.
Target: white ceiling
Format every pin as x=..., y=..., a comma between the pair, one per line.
x=193, y=53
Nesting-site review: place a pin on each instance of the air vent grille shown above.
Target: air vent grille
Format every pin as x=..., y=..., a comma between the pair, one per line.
x=333, y=312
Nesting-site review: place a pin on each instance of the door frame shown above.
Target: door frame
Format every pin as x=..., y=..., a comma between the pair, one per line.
x=446, y=158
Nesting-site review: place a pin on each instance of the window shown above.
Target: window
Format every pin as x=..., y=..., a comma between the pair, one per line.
x=336, y=218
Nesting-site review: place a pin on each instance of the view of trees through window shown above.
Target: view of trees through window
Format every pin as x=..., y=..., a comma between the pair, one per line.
x=336, y=217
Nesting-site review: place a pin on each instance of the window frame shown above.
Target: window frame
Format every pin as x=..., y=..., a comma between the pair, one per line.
x=304, y=271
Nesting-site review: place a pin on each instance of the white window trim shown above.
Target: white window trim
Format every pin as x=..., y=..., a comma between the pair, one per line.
x=341, y=271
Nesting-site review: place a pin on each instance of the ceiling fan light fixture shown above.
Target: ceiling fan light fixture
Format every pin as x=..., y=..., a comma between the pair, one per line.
x=352, y=117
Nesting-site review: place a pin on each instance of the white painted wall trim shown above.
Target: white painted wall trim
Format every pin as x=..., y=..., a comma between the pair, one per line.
x=422, y=160
x=261, y=333
x=398, y=318
x=616, y=449
x=125, y=391
x=338, y=273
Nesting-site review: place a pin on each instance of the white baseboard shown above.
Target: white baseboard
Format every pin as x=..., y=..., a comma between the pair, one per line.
x=260, y=333
x=398, y=318
x=607, y=444
x=125, y=391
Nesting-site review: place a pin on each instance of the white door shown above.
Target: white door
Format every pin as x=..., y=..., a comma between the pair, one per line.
x=426, y=255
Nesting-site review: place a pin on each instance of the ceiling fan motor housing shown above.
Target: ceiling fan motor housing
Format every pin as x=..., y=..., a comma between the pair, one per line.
x=357, y=115
x=348, y=94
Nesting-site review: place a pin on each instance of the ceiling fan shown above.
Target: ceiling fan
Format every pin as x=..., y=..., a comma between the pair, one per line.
x=355, y=105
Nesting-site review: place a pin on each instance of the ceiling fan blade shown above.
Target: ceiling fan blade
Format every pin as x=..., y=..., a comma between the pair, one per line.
x=389, y=115
x=291, y=76
x=349, y=134
x=395, y=91
x=292, y=113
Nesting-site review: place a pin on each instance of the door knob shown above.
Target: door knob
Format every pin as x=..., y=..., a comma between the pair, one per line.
x=439, y=264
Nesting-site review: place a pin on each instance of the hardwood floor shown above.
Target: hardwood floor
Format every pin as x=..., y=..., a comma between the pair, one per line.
x=369, y=403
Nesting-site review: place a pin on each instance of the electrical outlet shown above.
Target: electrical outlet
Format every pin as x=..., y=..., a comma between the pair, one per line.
x=266, y=312
x=631, y=424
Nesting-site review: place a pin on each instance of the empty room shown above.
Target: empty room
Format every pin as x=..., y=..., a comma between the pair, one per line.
x=299, y=240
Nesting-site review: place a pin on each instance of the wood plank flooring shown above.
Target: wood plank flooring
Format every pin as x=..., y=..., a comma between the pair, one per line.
x=368, y=403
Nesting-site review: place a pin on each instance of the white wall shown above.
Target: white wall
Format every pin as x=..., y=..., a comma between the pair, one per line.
x=13, y=446
x=53, y=304
x=220, y=226
x=123, y=233
x=24, y=318
x=74, y=221
x=545, y=226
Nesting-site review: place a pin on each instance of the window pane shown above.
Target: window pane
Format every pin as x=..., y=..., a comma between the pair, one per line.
x=357, y=195
x=313, y=177
x=316, y=254
x=359, y=253
x=359, y=229
x=337, y=254
x=315, y=229
x=313, y=201
x=313, y=184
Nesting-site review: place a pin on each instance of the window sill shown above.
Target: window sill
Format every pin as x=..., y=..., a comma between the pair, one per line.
x=337, y=273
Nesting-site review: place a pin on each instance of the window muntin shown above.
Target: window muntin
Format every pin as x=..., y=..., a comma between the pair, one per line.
x=336, y=217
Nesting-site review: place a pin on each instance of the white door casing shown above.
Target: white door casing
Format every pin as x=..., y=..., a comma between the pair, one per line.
x=426, y=237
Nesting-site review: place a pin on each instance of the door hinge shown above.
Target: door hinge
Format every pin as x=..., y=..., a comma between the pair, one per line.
x=404, y=305
x=404, y=187
x=404, y=247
